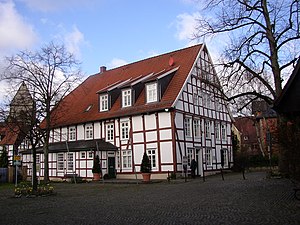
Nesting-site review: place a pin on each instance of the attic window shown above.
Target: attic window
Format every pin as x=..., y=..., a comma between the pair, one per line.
x=126, y=98
x=103, y=102
x=151, y=90
x=89, y=108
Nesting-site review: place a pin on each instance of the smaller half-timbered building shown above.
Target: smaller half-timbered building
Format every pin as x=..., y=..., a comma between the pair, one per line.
x=169, y=106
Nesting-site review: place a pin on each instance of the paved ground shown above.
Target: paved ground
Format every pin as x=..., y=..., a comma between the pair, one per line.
x=256, y=200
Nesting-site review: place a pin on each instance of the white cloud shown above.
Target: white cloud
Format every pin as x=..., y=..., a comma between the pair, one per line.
x=15, y=32
x=117, y=62
x=186, y=26
x=73, y=40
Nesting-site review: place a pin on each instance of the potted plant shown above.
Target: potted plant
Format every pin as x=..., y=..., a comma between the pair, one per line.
x=96, y=168
x=146, y=168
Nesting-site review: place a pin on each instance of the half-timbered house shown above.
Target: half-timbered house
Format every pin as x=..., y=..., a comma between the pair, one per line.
x=169, y=106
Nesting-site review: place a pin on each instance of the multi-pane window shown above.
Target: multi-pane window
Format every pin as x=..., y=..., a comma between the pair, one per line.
x=70, y=162
x=152, y=157
x=72, y=134
x=60, y=161
x=188, y=127
x=38, y=160
x=89, y=132
x=151, y=90
x=197, y=128
x=103, y=102
x=208, y=156
x=217, y=131
x=223, y=132
x=126, y=98
x=110, y=132
x=91, y=155
x=126, y=159
x=83, y=155
x=125, y=130
x=207, y=125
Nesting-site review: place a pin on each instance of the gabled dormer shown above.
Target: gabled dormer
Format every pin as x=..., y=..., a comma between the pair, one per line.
x=157, y=84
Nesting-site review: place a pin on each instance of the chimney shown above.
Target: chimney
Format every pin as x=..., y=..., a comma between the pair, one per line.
x=102, y=69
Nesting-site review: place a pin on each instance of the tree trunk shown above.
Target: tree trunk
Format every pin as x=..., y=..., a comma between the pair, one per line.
x=46, y=144
x=34, y=178
x=273, y=49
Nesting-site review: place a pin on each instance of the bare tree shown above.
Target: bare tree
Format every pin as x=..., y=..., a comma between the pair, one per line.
x=50, y=73
x=263, y=38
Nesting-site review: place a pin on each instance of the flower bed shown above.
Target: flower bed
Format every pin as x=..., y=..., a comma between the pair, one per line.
x=25, y=189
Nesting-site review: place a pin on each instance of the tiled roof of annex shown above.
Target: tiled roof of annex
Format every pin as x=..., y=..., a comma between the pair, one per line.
x=73, y=108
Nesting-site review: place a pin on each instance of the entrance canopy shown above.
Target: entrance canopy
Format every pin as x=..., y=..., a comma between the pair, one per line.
x=81, y=145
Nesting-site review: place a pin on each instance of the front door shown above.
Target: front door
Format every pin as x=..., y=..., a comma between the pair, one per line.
x=111, y=167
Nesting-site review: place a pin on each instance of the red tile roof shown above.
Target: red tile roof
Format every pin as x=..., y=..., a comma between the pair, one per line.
x=10, y=133
x=72, y=110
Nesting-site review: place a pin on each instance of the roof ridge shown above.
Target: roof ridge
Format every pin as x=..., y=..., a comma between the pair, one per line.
x=141, y=60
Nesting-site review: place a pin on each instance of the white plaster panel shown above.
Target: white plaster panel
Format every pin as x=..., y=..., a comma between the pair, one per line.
x=138, y=137
x=179, y=105
x=165, y=134
x=151, y=145
x=137, y=123
x=151, y=136
x=185, y=97
x=82, y=164
x=166, y=152
x=80, y=132
x=97, y=128
x=138, y=153
x=167, y=168
x=164, y=119
x=179, y=120
x=116, y=127
x=150, y=122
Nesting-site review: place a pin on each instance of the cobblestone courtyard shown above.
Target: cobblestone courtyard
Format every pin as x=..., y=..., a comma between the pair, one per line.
x=256, y=200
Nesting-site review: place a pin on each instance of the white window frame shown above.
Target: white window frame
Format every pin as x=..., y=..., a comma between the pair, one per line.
x=109, y=132
x=70, y=162
x=197, y=128
x=38, y=158
x=72, y=133
x=152, y=157
x=125, y=130
x=207, y=127
x=126, y=98
x=60, y=161
x=208, y=156
x=127, y=159
x=188, y=126
x=152, y=92
x=190, y=155
x=89, y=132
x=103, y=102
x=223, y=132
x=217, y=131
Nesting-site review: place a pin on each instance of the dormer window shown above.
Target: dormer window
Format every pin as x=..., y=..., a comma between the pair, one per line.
x=151, y=92
x=126, y=98
x=103, y=102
